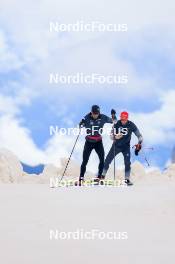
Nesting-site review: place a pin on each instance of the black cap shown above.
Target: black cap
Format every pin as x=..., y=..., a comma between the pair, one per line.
x=95, y=109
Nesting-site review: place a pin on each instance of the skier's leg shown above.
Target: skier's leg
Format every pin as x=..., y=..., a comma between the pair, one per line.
x=110, y=157
x=86, y=154
x=101, y=154
x=127, y=160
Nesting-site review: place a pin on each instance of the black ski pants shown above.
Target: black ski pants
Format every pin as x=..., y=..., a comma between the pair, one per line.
x=125, y=150
x=88, y=147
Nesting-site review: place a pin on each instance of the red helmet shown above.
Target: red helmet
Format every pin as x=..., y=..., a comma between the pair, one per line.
x=124, y=116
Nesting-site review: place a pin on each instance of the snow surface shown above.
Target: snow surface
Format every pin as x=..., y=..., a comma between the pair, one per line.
x=31, y=209
x=145, y=211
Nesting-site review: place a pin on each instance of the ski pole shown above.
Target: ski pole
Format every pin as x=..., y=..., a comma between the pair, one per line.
x=150, y=148
x=70, y=155
x=147, y=161
x=114, y=159
x=147, y=148
x=143, y=154
x=145, y=158
x=113, y=132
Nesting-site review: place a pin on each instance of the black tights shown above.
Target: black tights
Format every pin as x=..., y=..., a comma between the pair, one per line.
x=88, y=147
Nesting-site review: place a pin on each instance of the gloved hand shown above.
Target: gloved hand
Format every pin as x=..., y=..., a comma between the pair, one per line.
x=138, y=147
x=118, y=136
x=81, y=124
x=113, y=114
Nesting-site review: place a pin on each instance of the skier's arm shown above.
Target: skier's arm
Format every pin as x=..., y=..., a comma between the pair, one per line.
x=138, y=134
x=138, y=146
x=107, y=119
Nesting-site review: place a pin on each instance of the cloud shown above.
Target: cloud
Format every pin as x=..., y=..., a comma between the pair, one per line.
x=29, y=53
x=17, y=139
x=43, y=52
x=158, y=126
x=8, y=58
x=8, y=106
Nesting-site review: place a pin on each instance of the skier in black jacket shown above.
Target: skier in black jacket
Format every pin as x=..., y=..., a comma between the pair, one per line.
x=94, y=122
x=121, y=136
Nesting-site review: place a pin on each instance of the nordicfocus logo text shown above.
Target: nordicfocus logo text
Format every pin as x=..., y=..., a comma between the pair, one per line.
x=88, y=79
x=74, y=131
x=92, y=26
x=93, y=234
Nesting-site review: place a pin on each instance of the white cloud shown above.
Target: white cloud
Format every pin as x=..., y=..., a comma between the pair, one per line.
x=158, y=126
x=32, y=45
x=8, y=105
x=17, y=139
x=9, y=60
x=43, y=52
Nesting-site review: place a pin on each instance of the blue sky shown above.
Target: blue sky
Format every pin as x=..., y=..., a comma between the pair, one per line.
x=29, y=53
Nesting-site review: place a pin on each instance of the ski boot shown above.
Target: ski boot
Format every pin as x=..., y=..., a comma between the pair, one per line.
x=128, y=182
x=99, y=180
x=79, y=182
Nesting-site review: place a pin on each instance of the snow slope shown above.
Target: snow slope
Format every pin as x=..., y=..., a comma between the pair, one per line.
x=29, y=212
x=11, y=171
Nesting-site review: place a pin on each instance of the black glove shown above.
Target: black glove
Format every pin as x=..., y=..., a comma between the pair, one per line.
x=81, y=124
x=113, y=112
x=138, y=147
